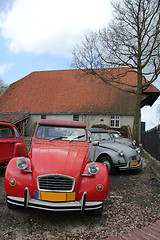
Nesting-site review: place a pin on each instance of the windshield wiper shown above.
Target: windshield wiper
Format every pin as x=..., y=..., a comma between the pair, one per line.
x=51, y=139
x=77, y=137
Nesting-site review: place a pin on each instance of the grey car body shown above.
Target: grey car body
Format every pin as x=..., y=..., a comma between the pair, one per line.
x=119, y=139
x=104, y=148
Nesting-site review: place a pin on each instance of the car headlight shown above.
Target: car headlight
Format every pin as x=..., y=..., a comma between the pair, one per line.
x=138, y=150
x=93, y=168
x=134, y=142
x=22, y=163
x=121, y=153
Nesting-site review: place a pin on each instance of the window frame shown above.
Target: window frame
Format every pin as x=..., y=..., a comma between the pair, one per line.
x=76, y=117
x=115, y=121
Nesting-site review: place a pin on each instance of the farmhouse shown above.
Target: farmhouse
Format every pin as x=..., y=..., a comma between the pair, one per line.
x=65, y=95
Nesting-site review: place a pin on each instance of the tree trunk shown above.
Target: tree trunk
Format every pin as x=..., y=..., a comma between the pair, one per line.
x=137, y=120
x=137, y=110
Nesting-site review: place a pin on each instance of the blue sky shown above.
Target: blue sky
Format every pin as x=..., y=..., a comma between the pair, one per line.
x=38, y=35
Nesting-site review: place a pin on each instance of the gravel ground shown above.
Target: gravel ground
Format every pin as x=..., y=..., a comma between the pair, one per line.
x=133, y=202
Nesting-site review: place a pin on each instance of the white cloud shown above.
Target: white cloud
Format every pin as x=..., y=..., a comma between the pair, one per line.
x=4, y=68
x=53, y=26
x=151, y=115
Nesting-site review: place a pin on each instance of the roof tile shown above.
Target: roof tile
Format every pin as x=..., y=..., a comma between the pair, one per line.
x=62, y=91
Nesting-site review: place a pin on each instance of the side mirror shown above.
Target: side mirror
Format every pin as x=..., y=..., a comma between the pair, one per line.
x=95, y=143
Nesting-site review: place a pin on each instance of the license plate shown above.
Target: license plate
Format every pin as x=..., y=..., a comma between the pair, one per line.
x=54, y=197
x=133, y=163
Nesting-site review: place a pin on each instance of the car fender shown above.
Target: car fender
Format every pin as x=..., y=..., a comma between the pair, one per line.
x=115, y=157
x=22, y=179
x=89, y=184
x=20, y=150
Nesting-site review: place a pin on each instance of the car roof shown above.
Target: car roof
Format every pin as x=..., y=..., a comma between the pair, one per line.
x=113, y=131
x=6, y=123
x=101, y=130
x=63, y=123
x=97, y=130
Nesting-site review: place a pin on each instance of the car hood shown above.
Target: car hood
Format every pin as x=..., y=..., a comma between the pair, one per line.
x=124, y=141
x=115, y=146
x=64, y=159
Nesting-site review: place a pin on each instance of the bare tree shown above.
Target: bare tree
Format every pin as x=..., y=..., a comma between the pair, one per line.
x=131, y=40
x=3, y=87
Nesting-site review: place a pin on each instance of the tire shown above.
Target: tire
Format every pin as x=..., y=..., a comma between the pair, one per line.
x=11, y=206
x=98, y=212
x=94, y=213
x=107, y=161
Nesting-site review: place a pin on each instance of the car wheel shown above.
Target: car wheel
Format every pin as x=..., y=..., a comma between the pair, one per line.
x=108, y=163
x=11, y=206
x=98, y=212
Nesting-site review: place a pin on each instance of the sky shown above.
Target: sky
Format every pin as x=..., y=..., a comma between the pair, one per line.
x=39, y=35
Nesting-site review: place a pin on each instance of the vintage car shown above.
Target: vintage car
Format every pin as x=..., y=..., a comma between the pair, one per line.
x=118, y=138
x=104, y=149
x=11, y=143
x=58, y=174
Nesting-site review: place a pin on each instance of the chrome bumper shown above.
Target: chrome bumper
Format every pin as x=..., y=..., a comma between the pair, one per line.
x=127, y=166
x=54, y=206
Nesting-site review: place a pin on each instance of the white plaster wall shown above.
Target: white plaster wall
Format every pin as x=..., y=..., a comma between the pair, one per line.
x=33, y=119
x=90, y=120
x=60, y=117
x=126, y=120
x=97, y=119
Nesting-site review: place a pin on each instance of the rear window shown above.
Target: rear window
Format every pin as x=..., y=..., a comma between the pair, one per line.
x=6, y=132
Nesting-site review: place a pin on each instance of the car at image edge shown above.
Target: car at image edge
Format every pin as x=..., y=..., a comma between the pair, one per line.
x=118, y=138
x=11, y=143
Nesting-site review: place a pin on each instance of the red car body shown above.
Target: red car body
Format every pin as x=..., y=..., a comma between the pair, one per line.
x=11, y=143
x=58, y=175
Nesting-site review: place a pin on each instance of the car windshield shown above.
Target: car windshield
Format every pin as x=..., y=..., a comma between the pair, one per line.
x=101, y=136
x=61, y=133
x=6, y=132
x=116, y=135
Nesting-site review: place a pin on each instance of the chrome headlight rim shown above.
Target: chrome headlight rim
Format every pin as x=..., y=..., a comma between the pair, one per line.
x=93, y=168
x=22, y=163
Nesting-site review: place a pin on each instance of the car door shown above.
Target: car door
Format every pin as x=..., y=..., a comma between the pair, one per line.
x=7, y=141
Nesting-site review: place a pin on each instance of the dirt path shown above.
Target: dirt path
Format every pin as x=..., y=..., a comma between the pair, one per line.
x=133, y=202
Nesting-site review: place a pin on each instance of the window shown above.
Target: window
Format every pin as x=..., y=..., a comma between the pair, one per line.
x=75, y=117
x=61, y=133
x=43, y=116
x=115, y=121
x=6, y=132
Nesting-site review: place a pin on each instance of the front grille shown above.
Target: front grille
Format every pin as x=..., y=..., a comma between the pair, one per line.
x=59, y=183
x=134, y=157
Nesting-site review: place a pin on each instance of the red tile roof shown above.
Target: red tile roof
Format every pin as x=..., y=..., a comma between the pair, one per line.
x=62, y=91
x=13, y=117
